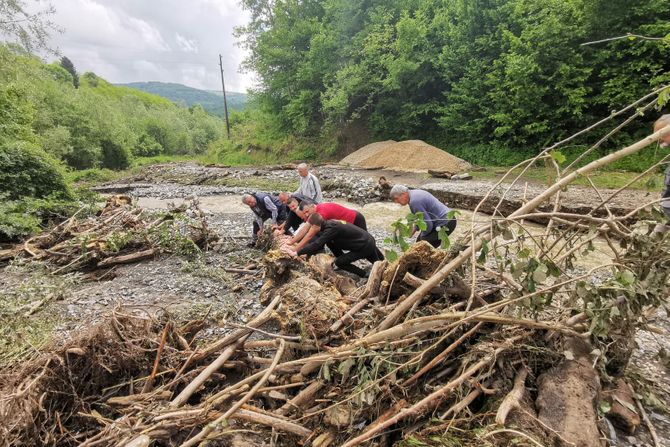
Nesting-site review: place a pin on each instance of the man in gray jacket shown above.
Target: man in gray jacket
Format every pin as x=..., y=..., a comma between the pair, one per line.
x=309, y=184
x=435, y=213
x=661, y=123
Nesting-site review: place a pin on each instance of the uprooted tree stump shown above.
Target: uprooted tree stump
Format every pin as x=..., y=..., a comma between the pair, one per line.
x=568, y=397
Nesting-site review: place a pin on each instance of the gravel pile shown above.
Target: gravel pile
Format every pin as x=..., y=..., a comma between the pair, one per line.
x=371, y=150
x=410, y=155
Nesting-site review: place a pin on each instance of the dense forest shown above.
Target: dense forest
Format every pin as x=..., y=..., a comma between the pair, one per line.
x=482, y=78
x=211, y=101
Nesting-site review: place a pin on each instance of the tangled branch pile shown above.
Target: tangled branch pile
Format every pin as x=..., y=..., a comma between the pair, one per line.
x=118, y=234
x=506, y=338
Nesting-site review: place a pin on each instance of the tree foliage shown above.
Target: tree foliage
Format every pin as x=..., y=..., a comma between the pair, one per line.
x=26, y=171
x=69, y=67
x=27, y=28
x=510, y=73
x=97, y=124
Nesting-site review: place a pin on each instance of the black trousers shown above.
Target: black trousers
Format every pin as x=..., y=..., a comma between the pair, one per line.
x=359, y=221
x=292, y=223
x=432, y=237
x=344, y=260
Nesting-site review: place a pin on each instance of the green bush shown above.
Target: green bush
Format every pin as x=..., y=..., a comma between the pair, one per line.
x=16, y=220
x=114, y=155
x=489, y=155
x=26, y=171
x=147, y=146
x=21, y=218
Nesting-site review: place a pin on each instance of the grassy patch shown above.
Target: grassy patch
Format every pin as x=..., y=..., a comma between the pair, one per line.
x=257, y=183
x=90, y=177
x=202, y=159
x=26, y=324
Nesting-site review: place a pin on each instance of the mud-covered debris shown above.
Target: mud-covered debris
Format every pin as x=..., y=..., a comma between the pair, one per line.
x=118, y=234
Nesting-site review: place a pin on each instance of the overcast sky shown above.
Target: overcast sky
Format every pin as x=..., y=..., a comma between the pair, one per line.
x=154, y=40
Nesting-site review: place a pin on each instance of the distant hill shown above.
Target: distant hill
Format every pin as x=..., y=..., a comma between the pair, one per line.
x=188, y=96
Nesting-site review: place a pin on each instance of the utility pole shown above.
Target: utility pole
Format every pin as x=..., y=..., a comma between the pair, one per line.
x=225, y=103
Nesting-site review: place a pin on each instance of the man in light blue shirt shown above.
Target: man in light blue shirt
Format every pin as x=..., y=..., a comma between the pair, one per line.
x=435, y=213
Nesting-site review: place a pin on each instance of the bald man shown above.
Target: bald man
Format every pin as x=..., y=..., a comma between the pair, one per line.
x=309, y=184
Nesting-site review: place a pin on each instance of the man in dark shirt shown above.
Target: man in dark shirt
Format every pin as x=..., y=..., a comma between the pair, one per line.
x=339, y=236
x=295, y=216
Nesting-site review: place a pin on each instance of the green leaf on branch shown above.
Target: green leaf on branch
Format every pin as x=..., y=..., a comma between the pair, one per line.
x=540, y=274
x=443, y=236
x=391, y=255
x=604, y=407
x=626, y=278
x=483, y=252
x=558, y=157
x=524, y=253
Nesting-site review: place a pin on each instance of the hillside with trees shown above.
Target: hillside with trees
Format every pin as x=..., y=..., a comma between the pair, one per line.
x=52, y=121
x=489, y=80
x=211, y=101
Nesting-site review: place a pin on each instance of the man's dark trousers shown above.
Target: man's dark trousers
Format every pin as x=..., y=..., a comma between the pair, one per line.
x=344, y=260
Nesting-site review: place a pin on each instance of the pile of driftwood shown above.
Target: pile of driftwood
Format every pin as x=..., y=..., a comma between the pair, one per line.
x=117, y=234
x=503, y=339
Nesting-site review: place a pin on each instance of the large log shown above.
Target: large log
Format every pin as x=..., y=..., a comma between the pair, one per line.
x=567, y=399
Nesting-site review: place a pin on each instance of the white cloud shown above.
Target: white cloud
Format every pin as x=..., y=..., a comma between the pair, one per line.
x=187, y=45
x=168, y=41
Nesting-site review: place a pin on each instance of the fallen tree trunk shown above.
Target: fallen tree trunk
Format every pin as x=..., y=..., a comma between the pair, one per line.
x=566, y=403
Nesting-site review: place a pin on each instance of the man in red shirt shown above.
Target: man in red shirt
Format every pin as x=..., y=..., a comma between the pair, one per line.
x=329, y=211
x=332, y=210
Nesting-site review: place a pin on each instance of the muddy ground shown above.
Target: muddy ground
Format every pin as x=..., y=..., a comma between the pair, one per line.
x=201, y=288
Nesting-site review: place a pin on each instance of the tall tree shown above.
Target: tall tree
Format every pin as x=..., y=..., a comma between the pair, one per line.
x=69, y=66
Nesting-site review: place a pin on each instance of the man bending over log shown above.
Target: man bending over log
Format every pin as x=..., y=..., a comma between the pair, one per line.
x=339, y=236
x=435, y=213
x=327, y=210
x=295, y=216
x=665, y=142
x=264, y=206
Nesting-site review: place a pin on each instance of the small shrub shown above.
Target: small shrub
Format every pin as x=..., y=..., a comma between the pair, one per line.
x=147, y=146
x=21, y=218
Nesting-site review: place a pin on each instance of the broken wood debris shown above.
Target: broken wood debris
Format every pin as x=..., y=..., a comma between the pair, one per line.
x=386, y=368
x=118, y=234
